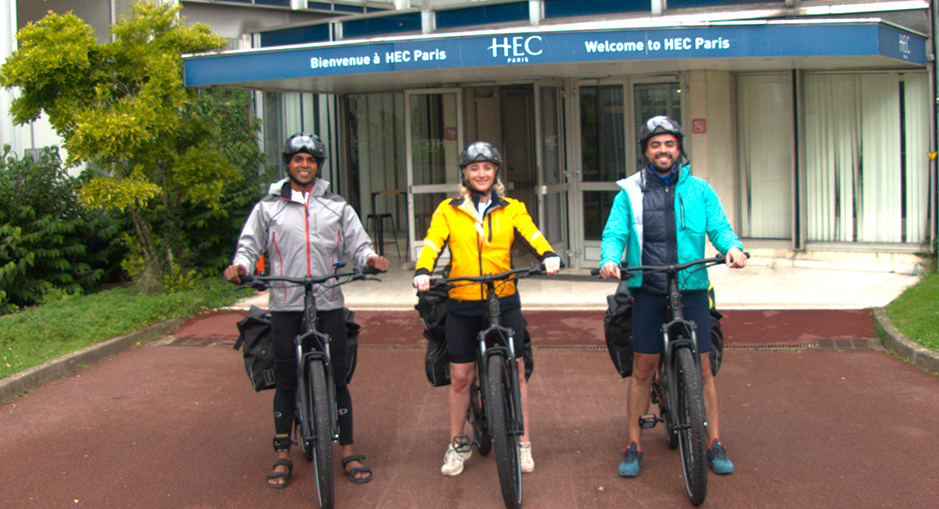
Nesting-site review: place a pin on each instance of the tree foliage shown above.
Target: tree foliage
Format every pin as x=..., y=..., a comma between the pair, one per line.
x=48, y=240
x=122, y=107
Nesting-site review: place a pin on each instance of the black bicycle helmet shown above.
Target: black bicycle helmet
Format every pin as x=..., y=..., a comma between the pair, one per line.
x=660, y=125
x=305, y=142
x=480, y=151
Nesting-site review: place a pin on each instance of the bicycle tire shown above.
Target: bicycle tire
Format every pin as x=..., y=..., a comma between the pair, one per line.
x=482, y=437
x=691, y=433
x=322, y=433
x=505, y=441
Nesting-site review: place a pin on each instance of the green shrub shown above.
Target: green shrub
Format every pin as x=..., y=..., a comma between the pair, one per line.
x=47, y=239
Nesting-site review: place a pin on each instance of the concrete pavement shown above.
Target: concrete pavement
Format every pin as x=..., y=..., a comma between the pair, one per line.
x=766, y=283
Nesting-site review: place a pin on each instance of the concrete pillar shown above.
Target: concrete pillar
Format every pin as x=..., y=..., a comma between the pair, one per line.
x=714, y=157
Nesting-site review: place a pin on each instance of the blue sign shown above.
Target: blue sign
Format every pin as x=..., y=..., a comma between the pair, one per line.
x=542, y=47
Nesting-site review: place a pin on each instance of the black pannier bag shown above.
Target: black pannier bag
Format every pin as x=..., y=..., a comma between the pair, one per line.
x=254, y=334
x=617, y=329
x=432, y=307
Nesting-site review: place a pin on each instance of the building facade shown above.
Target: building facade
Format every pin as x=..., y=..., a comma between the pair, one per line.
x=813, y=120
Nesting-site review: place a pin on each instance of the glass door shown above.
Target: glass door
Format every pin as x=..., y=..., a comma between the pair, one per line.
x=434, y=137
x=552, y=175
x=606, y=123
x=602, y=161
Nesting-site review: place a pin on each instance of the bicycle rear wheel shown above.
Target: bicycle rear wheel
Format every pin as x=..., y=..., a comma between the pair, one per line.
x=477, y=417
x=322, y=436
x=505, y=440
x=690, y=417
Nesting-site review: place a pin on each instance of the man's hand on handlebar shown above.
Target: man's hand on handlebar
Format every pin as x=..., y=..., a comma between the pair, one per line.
x=421, y=282
x=736, y=258
x=233, y=273
x=379, y=263
x=610, y=270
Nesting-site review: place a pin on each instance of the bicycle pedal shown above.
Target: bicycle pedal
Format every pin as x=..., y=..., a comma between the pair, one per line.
x=648, y=421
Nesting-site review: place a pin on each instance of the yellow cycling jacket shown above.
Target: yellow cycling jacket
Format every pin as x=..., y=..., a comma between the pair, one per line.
x=479, y=245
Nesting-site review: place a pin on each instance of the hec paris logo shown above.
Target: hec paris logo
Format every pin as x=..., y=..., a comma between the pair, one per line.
x=516, y=49
x=904, y=44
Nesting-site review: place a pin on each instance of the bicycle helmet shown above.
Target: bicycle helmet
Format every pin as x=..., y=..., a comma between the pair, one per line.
x=480, y=151
x=660, y=125
x=305, y=142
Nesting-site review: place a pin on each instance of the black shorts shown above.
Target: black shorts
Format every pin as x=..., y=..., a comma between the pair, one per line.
x=649, y=315
x=463, y=331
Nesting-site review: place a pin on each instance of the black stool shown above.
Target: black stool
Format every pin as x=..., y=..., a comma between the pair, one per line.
x=379, y=240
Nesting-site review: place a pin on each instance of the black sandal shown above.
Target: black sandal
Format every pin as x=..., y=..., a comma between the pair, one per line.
x=280, y=475
x=355, y=470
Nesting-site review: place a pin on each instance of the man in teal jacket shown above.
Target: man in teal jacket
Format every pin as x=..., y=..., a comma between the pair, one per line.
x=661, y=217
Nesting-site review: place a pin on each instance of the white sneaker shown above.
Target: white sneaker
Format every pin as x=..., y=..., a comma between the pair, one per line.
x=524, y=457
x=459, y=450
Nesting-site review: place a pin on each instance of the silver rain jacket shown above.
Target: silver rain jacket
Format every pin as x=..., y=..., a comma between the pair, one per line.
x=302, y=239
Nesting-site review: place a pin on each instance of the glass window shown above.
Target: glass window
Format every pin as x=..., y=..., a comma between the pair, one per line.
x=601, y=130
x=865, y=170
x=765, y=155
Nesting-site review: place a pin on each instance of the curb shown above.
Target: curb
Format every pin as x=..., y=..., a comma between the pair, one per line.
x=37, y=376
x=896, y=342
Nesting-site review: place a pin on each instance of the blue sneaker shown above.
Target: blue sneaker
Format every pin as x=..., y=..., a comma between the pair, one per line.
x=632, y=458
x=717, y=458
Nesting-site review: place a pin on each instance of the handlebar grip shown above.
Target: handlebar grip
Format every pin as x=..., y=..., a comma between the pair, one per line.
x=247, y=279
x=368, y=271
x=594, y=272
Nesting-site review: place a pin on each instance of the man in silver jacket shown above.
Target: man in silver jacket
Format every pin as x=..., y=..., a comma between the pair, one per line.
x=304, y=229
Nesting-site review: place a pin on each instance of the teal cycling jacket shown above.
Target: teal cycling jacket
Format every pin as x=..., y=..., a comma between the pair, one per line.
x=698, y=213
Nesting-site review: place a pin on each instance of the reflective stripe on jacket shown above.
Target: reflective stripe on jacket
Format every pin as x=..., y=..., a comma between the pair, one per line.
x=302, y=239
x=483, y=250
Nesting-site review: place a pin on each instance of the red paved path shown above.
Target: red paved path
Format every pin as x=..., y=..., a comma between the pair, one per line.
x=176, y=426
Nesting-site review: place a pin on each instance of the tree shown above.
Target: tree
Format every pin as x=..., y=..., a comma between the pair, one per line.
x=122, y=107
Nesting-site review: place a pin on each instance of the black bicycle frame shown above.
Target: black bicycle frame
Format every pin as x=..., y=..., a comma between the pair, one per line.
x=684, y=330
x=313, y=344
x=494, y=340
x=310, y=343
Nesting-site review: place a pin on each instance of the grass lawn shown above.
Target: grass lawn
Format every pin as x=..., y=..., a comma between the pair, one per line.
x=35, y=335
x=916, y=312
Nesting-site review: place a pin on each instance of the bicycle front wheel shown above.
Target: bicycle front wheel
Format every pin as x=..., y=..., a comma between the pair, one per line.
x=505, y=440
x=322, y=433
x=690, y=415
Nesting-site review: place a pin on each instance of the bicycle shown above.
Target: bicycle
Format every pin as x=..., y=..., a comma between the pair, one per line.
x=316, y=424
x=677, y=387
x=495, y=411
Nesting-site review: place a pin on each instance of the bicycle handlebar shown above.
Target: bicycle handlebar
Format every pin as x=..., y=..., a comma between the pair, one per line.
x=674, y=267
x=534, y=269
x=260, y=282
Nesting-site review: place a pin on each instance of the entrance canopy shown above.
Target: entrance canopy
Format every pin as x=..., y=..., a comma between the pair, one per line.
x=595, y=50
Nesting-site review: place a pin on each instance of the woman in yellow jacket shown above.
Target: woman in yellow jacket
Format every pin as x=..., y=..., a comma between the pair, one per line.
x=479, y=226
